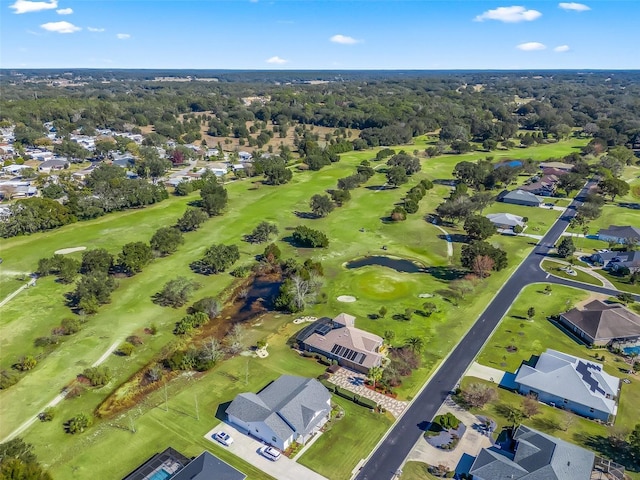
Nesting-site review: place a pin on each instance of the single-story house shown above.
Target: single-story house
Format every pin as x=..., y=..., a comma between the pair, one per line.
x=171, y=464
x=506, y=221
x=567, y=167
x=13, y=169
x=52, y=165
x=545, y=186
x=536, y=455
x=602, y=324
x=520, y=197
x=217, y=168
x=124, y=161
x=617, y=260
x=554, y=171
x=620, y=234
x=569, y=382
x=84, y=173
x=290, y=409
x=244, y=156
x=338, y=339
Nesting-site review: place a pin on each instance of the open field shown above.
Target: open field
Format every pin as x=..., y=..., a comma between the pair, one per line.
x=555, y=268
x=131, y=309
x=416, y=471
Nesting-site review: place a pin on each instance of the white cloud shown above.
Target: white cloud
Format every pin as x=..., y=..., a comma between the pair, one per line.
x=562, y=48
x=576, y=7
x=277, y=60
x=531, y=46
x=60, y=27
x=64, y=11
x=512, y=14
x=26, y=6
x=95, y=29
x=123, y=36
x=344, y=39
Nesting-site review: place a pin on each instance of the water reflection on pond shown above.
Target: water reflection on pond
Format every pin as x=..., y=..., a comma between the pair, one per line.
x=398, y=264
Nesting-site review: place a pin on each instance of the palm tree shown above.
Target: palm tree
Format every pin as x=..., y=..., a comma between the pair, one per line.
x=375, y=375
x=416, y=344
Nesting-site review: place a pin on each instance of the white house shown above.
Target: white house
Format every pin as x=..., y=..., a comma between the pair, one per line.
x=573, y=383
x=51, y=165
x=506, y=221
x=13, y=169
x=244, y=156
x=290, y=409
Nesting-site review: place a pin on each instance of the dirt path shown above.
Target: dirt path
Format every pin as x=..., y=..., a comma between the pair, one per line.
x=58, y=398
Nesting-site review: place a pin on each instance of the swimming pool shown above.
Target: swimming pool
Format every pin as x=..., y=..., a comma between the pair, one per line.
x=160, y=475
x=632, y=350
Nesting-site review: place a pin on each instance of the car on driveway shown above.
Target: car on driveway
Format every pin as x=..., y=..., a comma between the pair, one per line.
x=223, y=437
x=270, y=453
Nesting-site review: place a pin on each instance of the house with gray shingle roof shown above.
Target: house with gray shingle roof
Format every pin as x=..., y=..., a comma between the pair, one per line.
x=520, y=197
x=536, y=456
x=620, y=234
x=290, y=409
x=572, y=383
x=602, y=324
x=506, y=221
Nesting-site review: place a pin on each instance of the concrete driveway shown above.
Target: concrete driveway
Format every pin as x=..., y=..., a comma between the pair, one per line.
x=246, y=447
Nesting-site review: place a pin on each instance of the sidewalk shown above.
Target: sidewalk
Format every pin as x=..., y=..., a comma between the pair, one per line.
x=605, y=282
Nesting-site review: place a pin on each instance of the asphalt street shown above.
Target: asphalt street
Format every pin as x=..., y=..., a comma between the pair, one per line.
x=390, y=454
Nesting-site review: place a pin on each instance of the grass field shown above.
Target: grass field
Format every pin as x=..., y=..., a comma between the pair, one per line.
x=131, y=309
x=555, y=268
x=416, y=471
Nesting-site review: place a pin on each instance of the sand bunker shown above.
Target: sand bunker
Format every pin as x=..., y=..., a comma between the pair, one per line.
x=64, y=251
x=346, y=299
x=300, y=320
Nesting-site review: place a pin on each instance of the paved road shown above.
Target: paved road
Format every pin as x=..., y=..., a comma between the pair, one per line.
x=393, y=450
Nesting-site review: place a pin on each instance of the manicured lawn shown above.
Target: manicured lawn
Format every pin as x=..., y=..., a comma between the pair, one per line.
x=535, y=336
x=612, y=214
x=357, y=433
x=622, y=283
x=555, y=268
x=540, y=219
x=131, y=309
x=416, y=471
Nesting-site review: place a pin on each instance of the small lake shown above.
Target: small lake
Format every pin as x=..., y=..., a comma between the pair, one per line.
x=398, y=264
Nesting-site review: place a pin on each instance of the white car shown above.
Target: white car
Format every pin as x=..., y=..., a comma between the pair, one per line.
x=270, y=453
x=223, y=437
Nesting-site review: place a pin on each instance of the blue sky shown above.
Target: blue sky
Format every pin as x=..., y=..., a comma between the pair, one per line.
x=317, y=34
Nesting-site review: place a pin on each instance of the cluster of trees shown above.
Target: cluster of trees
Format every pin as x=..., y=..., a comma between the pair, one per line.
x=216, y=259
x=411, y=200
x=274, y=169
x=176, y=292
x=363, y=174
x=461, y=205
x=18, y=462
x=401, y=167
x=108, y=189
x=97, y=376
x=304, y=236
x=482, y=257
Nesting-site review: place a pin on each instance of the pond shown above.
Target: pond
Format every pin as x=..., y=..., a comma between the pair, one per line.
x=397, y=264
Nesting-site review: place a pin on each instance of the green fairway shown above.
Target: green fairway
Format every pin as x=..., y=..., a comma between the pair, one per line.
x=555, y=268
x=354, y=230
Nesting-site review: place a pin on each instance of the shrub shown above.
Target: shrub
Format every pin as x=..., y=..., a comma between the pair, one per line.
x=71, y=326
x=126, y=349
x=78, y=424
x=97, y=376
x=46, y=415
x=26, y=363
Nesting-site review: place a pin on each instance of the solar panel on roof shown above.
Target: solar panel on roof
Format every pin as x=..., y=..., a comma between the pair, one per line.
x=361, y=358
x=352, y=355
x=335, y=348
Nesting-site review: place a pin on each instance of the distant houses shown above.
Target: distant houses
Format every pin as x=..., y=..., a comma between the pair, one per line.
x=520, y=197
x=536, y=455
x=572, y=383
x=338, y=339
x=601, y=324
x=49, y=166
x=623, y=234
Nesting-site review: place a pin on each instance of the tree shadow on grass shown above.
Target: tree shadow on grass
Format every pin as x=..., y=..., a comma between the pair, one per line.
x=455, y=238
x=306, y=215
x=375, y=188
x=446, y=273
x=605, y=448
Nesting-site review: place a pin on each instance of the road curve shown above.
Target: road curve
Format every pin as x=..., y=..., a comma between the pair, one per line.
x=391, y=452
